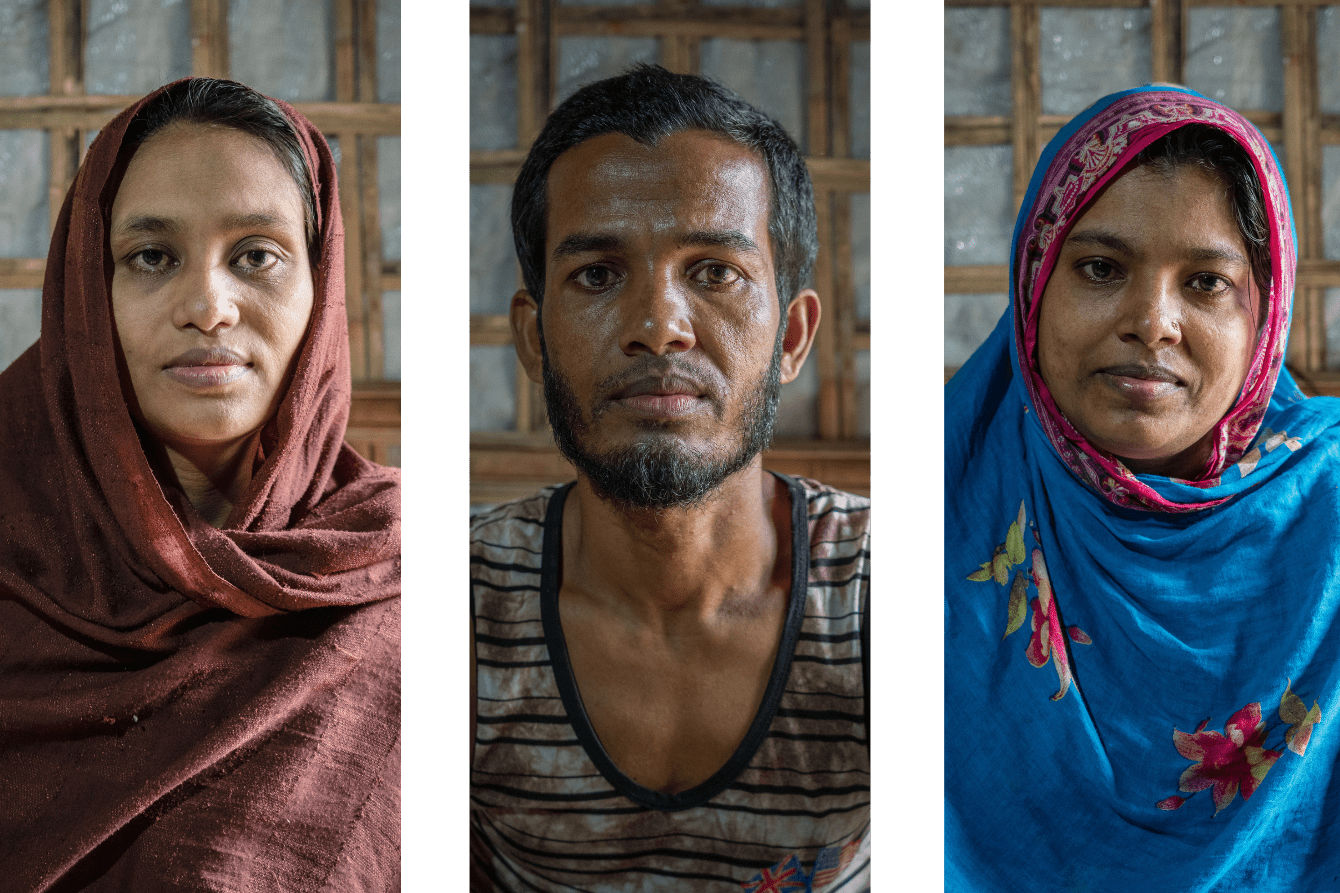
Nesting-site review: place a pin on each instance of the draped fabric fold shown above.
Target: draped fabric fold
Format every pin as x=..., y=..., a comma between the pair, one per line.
x=185, y=707
x=1142, y=673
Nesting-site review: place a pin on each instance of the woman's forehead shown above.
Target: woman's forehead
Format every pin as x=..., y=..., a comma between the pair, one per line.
x=1145, y=205
x=194, y=172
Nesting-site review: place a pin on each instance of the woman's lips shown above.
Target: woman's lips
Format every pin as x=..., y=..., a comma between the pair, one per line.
x=205, y=376
x=206, y=367
x=1139, y=382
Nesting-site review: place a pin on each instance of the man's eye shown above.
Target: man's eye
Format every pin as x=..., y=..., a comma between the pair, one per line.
x=717, y=274
x=595, y=277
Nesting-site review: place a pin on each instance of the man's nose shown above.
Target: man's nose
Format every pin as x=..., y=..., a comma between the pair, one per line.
x=657, y=318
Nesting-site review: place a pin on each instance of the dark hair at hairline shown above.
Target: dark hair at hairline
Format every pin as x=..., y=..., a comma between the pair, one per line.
x=647, y=103
x=205, y=100
x=1215, y=152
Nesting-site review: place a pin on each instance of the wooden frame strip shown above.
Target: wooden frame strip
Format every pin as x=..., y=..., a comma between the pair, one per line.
x=65, y=68
x=365, y=63
x=1307, y=347
x=534, y=69
x=209, y=38
x=1081, y=4
x=817, y=91
x=1166, y=44
x=844, y=315
x=1026, y=92
x=86, y=112
x=828, y=411
x=993, y=279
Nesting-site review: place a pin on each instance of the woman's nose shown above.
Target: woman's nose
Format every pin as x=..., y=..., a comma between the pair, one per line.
x=204, y=300
x=1151, y=313
x=656, y=317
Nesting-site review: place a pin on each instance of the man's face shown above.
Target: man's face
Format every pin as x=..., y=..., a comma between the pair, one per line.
x=660, y=321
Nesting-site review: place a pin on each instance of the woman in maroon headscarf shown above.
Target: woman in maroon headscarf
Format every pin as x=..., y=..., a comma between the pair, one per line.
x=199, y=581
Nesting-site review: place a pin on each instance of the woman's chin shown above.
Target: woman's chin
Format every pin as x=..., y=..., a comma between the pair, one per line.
x=209, y=443
x=1169, y=461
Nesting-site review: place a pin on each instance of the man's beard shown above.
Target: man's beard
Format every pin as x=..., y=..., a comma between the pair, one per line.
x=661, y=472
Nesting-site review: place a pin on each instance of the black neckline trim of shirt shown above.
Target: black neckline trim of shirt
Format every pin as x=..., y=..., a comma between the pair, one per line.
x=772, y=696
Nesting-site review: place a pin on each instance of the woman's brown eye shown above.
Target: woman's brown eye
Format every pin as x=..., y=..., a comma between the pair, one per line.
x=1208, y=282
x=149, y=260
x=1098, y=269
x=151, y=257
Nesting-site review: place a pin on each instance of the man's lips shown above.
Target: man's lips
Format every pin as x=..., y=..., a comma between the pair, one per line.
x=659, y=386
x=203, y=367
x=667, y=395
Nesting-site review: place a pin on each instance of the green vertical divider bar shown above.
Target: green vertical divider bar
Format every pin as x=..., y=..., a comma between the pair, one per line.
x=434, y=157
x=906, y=447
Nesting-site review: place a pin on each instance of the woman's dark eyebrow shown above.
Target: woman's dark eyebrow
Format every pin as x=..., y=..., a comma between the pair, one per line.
x=1225, y=254
x=1112, y=242
x=1098, y=238
x=148, y=224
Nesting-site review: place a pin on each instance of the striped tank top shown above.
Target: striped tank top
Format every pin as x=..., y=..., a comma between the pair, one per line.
x=790, y=809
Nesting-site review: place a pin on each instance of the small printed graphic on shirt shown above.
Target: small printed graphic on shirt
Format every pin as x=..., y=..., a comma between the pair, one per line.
x=787, y=876
x=831, y=862
x=784, y=877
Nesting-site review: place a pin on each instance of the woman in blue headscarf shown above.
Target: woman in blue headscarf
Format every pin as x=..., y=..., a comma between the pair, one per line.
x=1141, y=522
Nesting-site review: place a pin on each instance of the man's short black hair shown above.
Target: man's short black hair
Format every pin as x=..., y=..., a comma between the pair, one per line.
x=647, y=103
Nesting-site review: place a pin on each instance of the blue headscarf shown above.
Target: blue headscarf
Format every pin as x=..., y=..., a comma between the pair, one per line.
x=1142, y=673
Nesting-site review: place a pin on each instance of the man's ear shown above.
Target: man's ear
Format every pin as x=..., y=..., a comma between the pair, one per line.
x=802, y=321
x=525, y=319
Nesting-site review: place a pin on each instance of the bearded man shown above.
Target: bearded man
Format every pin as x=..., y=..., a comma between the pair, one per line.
x=670, y=655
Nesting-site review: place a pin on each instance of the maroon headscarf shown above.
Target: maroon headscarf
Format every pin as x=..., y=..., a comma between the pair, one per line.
x=184, y=707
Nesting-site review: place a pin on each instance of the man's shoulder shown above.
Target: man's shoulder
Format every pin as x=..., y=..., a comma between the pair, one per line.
x=839, y=521
x=507, y=556
x=516, y=522
x=825, y=500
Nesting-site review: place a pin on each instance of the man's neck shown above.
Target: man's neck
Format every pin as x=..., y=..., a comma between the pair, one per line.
x=681, y=564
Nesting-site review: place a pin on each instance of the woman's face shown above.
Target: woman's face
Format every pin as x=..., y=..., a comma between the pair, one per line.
x=212, y=288
x=1146, y=327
